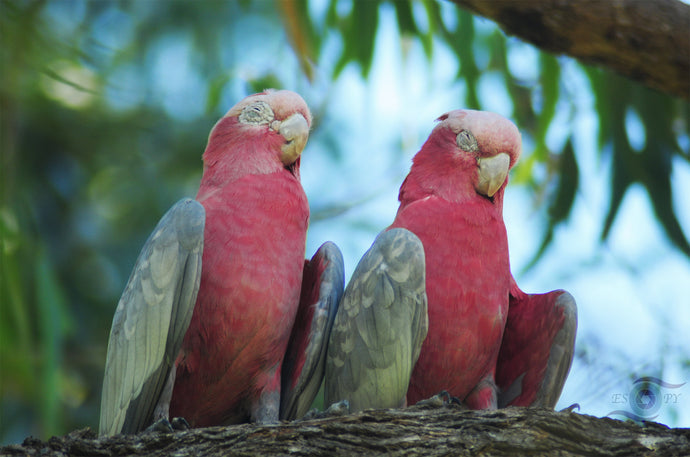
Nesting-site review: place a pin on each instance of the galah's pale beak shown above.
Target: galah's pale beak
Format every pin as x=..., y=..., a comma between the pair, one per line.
x=295, y=130
x=492, y=173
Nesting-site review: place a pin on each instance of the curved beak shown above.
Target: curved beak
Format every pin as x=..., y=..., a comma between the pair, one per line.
x=295, y=130
x=492, y=173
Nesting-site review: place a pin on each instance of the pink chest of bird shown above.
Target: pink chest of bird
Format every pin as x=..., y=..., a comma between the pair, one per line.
x=468, y=282
x=250, y=285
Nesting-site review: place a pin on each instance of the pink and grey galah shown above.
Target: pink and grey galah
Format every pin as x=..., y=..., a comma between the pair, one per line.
x=487, y=343
x=222, y=320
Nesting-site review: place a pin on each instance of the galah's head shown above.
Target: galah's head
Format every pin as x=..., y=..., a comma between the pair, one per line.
x=469, y=151
x=265, y=129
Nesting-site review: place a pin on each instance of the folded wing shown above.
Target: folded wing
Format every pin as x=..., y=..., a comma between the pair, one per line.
x=151, y=319
x=304, y=362
x=537, y=348
x=380, y=326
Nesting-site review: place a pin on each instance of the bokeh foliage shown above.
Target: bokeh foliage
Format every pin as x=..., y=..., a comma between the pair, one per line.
x=93, y=153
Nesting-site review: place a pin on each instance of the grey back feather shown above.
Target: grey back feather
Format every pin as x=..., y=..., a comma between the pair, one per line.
x=380, y=325
x=151, y=319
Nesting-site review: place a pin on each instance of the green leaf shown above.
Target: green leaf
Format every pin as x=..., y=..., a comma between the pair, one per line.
x=427, y=38
x=267, y=81
x=215, y=91
x=657, y=112
x=363, y=32
x=403, y=13
x=300, y=32
x=53, y=319
x=651, y=167
x=561, y=205
x=625, y=163
x=332, y=19
x=16, y=348
x=549, y=80
x=568, y=183
x=359, y=35
x=462, y=44
x=602, y=103
x=459, y=40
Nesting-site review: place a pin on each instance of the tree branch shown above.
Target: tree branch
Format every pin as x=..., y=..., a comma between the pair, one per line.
x=645, y=40
x=415, y=431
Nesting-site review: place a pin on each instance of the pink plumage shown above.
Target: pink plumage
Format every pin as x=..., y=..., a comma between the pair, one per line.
x=466, y=248
x=257, y=214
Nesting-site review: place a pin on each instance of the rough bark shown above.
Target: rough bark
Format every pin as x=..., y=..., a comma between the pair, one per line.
x=645, y=40
x=415, y=431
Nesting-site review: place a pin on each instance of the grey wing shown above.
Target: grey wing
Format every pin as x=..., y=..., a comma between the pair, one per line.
x=304, y=362
x=151, y=319
x=560, y=355
x=380, y=326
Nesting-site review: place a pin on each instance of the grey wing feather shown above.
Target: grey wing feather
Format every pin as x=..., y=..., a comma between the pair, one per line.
x=298, y=394
x=151, y=319
x=560, y=356
x=380, y=326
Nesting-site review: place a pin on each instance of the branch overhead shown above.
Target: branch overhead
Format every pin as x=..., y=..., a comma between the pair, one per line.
x=645, y=40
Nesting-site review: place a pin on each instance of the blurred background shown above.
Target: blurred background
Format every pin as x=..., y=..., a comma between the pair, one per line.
x=105, y=111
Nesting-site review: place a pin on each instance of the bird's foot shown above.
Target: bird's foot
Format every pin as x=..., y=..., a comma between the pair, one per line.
x=179, y=424
x=164, y=425
x=340, y=408
x=571, y=408
x=442, y=398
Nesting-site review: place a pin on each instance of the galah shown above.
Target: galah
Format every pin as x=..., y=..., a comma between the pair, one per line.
x=203, y=325
x=452, y=200
x=380, y=326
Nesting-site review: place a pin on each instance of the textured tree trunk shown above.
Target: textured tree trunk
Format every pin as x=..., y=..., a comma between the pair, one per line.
x=645, y=40
x=415, y=431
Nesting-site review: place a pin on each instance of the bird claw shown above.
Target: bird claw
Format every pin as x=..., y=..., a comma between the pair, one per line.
x=340, y=408
x=180, y=424
x=442, y=398
x=163, y=425
x=571, y=408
